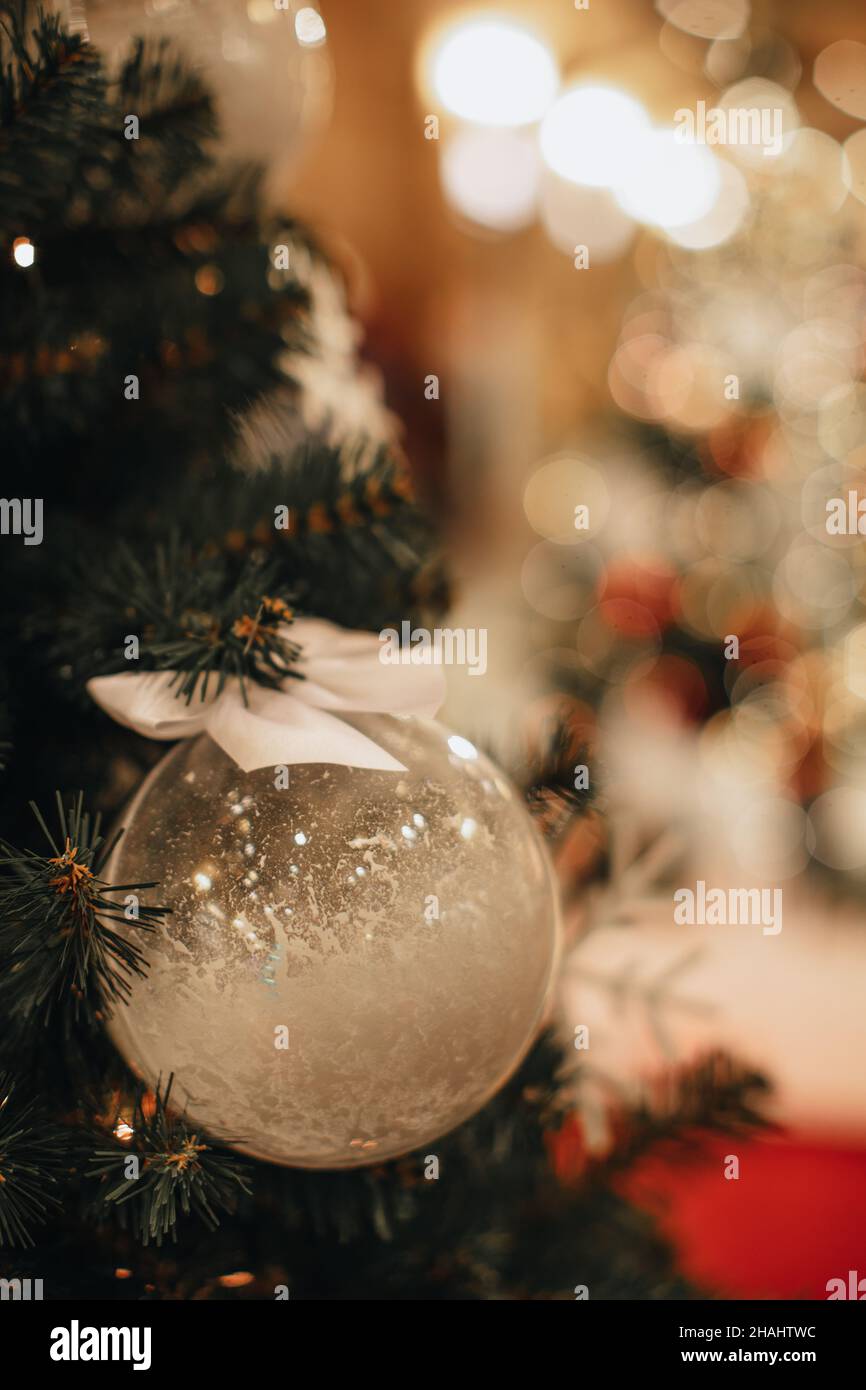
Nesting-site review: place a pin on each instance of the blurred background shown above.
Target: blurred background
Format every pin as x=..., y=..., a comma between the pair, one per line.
x=670, y=335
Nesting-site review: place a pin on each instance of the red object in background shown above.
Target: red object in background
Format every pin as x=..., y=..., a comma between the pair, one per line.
x=795, y=1217
x=643, y=581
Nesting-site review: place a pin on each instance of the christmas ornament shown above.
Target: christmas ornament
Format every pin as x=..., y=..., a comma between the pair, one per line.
x=355, y=962
x=262, y=61
x=363, y=917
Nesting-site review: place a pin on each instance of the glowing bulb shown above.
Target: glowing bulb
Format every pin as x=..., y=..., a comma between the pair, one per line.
x=590, y=135
x=491, y=177
x=671, y=184
x=23, y=252
x=310, y=27
x=202, y=881
x=494, y=72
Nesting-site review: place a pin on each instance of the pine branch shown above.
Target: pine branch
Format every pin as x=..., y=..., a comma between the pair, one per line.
x=159, y=1169
x=52, y=94
x=715, y=1095
x=57, y=951
x=553, y=794
x=151, y=264
x=31, y=1152
x=200, y=613
x=220, y=602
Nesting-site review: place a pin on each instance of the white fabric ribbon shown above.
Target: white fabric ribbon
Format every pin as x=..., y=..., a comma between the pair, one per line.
x=342, y=673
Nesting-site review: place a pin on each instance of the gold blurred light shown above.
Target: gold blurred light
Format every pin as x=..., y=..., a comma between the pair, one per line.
x=762, y=108
x=555, y=493
x=670, y=183
x=238, y=1280
x=209, y=279
x=491, y=176
x=840, y=76
x=686, y=384
x=262, y=11
x=591, y=135
x=574, y=216
x=707, y=19
x=723, y=220
x=493, y=71
x=630, y=373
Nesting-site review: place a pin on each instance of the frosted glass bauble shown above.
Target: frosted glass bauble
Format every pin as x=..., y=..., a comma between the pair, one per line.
x=354, y=963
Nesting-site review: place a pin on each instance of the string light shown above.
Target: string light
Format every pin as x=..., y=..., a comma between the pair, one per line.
x=23, y=252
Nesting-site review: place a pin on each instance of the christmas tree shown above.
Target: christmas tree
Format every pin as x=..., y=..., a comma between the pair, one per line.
x=152, y=307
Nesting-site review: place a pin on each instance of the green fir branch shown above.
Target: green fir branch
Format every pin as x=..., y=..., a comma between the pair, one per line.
x=165, y=1170
x=204, y=615
x=551, y=794
x=57, y=949
x=30, y=1156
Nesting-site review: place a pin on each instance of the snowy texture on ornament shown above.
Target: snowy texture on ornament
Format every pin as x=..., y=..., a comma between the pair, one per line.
x=356, y=962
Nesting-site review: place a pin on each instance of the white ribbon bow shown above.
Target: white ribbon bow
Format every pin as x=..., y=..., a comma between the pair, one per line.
x=342, y=672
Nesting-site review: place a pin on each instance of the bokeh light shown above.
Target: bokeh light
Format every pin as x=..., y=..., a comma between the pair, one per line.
x=23, y=252
x=723, y=220
x=555, y=493
x=573, y=216
x=840, y=76
x=310, y=27
x=493, y=72
x=491, y=176
x=707, y=19
x=669, y=184
x=590, y=135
